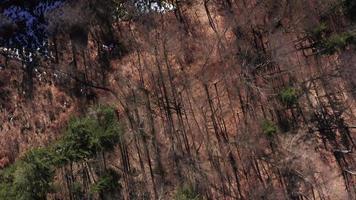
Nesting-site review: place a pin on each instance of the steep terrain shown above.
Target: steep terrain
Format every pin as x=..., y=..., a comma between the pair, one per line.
x=215, y=99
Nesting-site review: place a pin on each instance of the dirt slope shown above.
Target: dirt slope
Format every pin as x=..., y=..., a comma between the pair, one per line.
x=196, y=93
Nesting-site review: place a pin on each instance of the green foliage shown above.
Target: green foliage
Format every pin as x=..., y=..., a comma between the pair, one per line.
x=107, y=183
x=76, y=144
x=337, y=42
x=319, y=31
x=28, y=179
x=35, y=176
x=289, y=96
x=187, y=192
x=31, y=177
x=109, y=135
x=329, y=44
x=85, y=137
x=269, y=128
x=6, y=177
x=77, y=190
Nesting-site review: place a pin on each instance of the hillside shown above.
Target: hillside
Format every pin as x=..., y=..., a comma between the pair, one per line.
x=181, y=100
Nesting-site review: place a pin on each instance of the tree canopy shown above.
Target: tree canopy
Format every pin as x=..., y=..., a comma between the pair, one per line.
x=31, y=178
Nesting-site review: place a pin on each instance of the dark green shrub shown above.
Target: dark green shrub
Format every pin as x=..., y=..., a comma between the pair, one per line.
x=328, y=43
x=28, y=179
x=289, y=96
x=85, y=137
x=109, y=182
x=6, y=179
x=337, y=42
x=110, y=131
x=76, y=144
x=269, y=128
x=319, y=31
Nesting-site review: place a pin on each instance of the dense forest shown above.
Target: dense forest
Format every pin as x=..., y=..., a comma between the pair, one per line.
x=177, y=99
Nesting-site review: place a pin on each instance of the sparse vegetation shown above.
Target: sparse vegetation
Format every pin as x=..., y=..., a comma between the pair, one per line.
x=329, y=43
x=319, y=31
x=289, y=96
x=187, y=192
x=107, y=183
x=269, y=128
x=217, y=99
x=337, y=42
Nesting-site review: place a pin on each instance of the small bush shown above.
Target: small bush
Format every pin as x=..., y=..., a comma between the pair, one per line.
x=187, y=192
x=269, y=128
x=109, y=182
x=319, y=31
x=328, y=43
x=289, y=96
x=337, y=42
